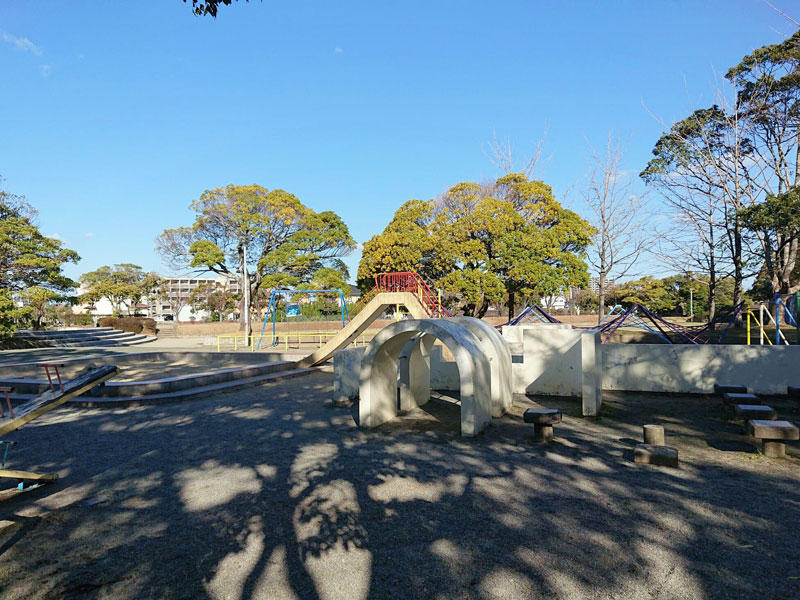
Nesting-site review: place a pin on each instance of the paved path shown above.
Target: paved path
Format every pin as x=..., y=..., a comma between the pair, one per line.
x=271, y=492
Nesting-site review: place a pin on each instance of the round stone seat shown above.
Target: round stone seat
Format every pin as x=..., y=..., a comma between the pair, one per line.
x=542, y=416
x=543, y=420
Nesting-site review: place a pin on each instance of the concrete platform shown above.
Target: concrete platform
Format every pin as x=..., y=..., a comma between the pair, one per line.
x=729, y=389
x=746, y=412
x=732, y=398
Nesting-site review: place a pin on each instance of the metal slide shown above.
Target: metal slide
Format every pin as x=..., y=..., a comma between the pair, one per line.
x=358, y=324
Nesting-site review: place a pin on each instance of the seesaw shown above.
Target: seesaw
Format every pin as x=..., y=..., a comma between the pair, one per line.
x=40, y=405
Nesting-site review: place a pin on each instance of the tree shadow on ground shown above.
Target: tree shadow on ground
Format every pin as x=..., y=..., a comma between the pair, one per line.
x=273, y=493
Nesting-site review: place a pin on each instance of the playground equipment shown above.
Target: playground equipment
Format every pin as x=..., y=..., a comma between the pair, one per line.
x=275, y=296
x=392, y=290
x=40, y=405
x=405, y=282
x=483, y=361
x=640, y=317
x=787, y=305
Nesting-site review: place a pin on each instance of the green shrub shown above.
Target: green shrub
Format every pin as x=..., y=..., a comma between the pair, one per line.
x=81, y=319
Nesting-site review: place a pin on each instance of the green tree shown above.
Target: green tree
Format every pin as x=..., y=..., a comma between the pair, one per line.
x=484, y=244
x=767, y=84
x=269, y=238
x=28, y=259
x=39, y=299
x=123, y=286
x=648, y=291
x=208, y=7
x=776, y=222
x=218, y=300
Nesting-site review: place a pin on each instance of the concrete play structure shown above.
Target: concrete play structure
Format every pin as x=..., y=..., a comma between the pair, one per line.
x=482, y=361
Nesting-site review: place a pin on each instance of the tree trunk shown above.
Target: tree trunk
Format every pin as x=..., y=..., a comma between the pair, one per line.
x=483, y=308
x=738, y=269
x=601, y=297
x=511, y=300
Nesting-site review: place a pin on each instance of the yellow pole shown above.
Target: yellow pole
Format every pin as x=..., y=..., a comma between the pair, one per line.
x=748, y=327
x=235, y=343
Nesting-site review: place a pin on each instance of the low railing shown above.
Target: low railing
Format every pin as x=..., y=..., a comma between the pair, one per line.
x=414, y=283
x=308, y=337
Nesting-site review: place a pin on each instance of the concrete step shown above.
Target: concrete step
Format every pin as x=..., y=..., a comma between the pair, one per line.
x=189, y=394
x=159, y=386
x=68, y=333
x=124, y=339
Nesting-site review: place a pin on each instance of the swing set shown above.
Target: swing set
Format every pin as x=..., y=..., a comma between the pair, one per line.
x=275, y=297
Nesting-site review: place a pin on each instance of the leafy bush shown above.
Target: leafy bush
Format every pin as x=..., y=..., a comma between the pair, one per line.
x=69, y=318
x=131, y=324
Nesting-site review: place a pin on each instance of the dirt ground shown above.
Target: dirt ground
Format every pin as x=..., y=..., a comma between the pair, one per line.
x=272, y=492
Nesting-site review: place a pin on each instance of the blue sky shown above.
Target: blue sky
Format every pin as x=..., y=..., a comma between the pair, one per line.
x=115, y=115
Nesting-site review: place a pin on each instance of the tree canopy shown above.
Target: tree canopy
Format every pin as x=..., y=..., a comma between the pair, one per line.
x=124, y=286
x=208, y=7
x=28, y=258
x=28, y=261
x=484, y=244
x=283, y=242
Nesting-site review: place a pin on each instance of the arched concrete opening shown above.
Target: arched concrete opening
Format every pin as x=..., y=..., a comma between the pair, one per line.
x=378, y=377
x=499, y=357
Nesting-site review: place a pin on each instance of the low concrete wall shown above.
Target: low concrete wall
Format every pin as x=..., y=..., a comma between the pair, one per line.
x=551, y=361
x=695, y=369
x=346, y=367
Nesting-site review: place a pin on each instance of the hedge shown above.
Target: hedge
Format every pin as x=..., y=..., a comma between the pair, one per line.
x=131, y=324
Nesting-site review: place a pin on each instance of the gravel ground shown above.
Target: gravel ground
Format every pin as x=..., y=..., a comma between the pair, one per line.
x=272, y=492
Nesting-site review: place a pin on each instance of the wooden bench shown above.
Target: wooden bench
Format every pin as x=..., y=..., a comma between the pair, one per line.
x=6, y=391
x=729, y=389
x=773, y=435
x=543, y=420
x=748, y=412
x=733, y=398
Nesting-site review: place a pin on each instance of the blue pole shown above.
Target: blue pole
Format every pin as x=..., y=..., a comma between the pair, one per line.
x=274, y=310
x=264, y=325
x=777, y=322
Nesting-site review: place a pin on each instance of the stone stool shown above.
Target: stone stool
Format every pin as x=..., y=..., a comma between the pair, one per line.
x=658, y=455
x=731, y=398
x=793, y=392
x=748, y=412
x=543, y=420
x=729, y=389
x=653, y=435
x=773, y=435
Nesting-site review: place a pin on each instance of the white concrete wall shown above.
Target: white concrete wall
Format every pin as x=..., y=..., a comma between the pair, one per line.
x=551, y=362
x=346, y=367
x=695, y=369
